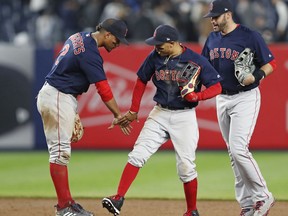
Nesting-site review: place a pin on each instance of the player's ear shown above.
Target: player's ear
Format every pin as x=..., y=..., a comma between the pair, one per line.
x=229, y=14
x=107, y=34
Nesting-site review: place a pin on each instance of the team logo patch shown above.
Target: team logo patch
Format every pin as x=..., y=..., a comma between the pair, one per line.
x=154, y=34
x=211, y=6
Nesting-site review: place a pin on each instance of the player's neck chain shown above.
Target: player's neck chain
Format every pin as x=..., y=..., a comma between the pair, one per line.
x=175, y=54
x=166, y=60
x=171, y=64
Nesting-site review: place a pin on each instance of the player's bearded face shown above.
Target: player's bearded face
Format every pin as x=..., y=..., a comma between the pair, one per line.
x=219, y=23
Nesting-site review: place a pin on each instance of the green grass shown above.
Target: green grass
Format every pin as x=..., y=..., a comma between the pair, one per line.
x=96, y=174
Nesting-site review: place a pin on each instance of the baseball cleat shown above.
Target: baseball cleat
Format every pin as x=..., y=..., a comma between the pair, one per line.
x=263, y=207
x=192, y=213
x=113, y=204
x=74, y=209
x=247, y=211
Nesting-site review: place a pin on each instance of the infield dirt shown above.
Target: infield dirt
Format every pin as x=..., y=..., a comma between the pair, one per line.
x=132, y=207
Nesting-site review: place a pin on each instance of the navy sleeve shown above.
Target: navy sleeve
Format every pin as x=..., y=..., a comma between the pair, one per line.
x=262, y=53
x=147, y=69
x=205, y=50
x=208, y=75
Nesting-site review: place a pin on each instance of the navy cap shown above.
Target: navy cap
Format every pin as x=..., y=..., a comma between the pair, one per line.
x=117, y=27
x=163, y=34
x=219, y=7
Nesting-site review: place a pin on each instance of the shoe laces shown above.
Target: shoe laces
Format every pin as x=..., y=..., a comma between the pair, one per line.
x=77, y=207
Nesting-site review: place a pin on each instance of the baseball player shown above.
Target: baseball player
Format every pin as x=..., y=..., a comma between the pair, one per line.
x=173, y=117
x=78, y=65
x=239, y=103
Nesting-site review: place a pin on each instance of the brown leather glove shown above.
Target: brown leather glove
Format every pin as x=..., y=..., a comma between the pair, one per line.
x=78, y=130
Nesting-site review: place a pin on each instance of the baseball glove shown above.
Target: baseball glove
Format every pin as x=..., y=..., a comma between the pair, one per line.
x=78, y=130
x=244, y=65
x=188, y=78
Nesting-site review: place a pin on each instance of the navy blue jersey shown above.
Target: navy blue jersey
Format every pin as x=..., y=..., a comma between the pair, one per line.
x=222, y=50
x=78, y=65
x=164, y=71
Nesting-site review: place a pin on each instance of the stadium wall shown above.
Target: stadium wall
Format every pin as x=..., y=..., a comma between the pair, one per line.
x=23, y=71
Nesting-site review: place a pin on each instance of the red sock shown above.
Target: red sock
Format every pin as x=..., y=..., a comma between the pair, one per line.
x=59, y=175
x=129, y=174
x=190, y=189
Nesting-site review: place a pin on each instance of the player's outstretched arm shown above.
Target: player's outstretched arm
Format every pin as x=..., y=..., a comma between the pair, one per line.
x=208, y=93
x=129, y=117
x=113, y=107
x=126, y=129
x=106, y=95
x=132, y=114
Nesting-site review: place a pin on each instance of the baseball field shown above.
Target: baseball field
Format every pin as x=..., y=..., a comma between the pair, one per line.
x=26, y=187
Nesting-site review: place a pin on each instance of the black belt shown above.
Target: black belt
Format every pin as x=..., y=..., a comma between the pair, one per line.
x=173, y=108
x=233, y=92
x=230, y=92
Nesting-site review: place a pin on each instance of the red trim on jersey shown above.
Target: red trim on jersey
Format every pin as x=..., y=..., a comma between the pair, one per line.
x=273, y=64
x=210, y=92
x=183, y=47
x=138, y=92
x=104, y=90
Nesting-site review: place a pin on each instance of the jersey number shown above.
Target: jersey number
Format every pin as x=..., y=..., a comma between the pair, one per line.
x=62, y=53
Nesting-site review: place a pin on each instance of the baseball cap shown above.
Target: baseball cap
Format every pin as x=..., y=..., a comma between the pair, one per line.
x=218, y=7
x=117, y=27
x=163, y=34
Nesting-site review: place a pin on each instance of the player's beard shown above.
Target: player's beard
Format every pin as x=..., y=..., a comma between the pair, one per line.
x=221, y=26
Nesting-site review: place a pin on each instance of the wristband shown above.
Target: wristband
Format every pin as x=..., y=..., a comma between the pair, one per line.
x=258, y=75
x=199, y=95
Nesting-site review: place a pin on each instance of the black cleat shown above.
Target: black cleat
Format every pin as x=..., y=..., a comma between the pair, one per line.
x=74, y=209
x=192, y=213
x=113, y=204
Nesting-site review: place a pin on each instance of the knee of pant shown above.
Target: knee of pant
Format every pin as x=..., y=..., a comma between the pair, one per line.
x=188, y=177
x=136, y=161
x=62, y=158
x=239, y=153
x=186, y=172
